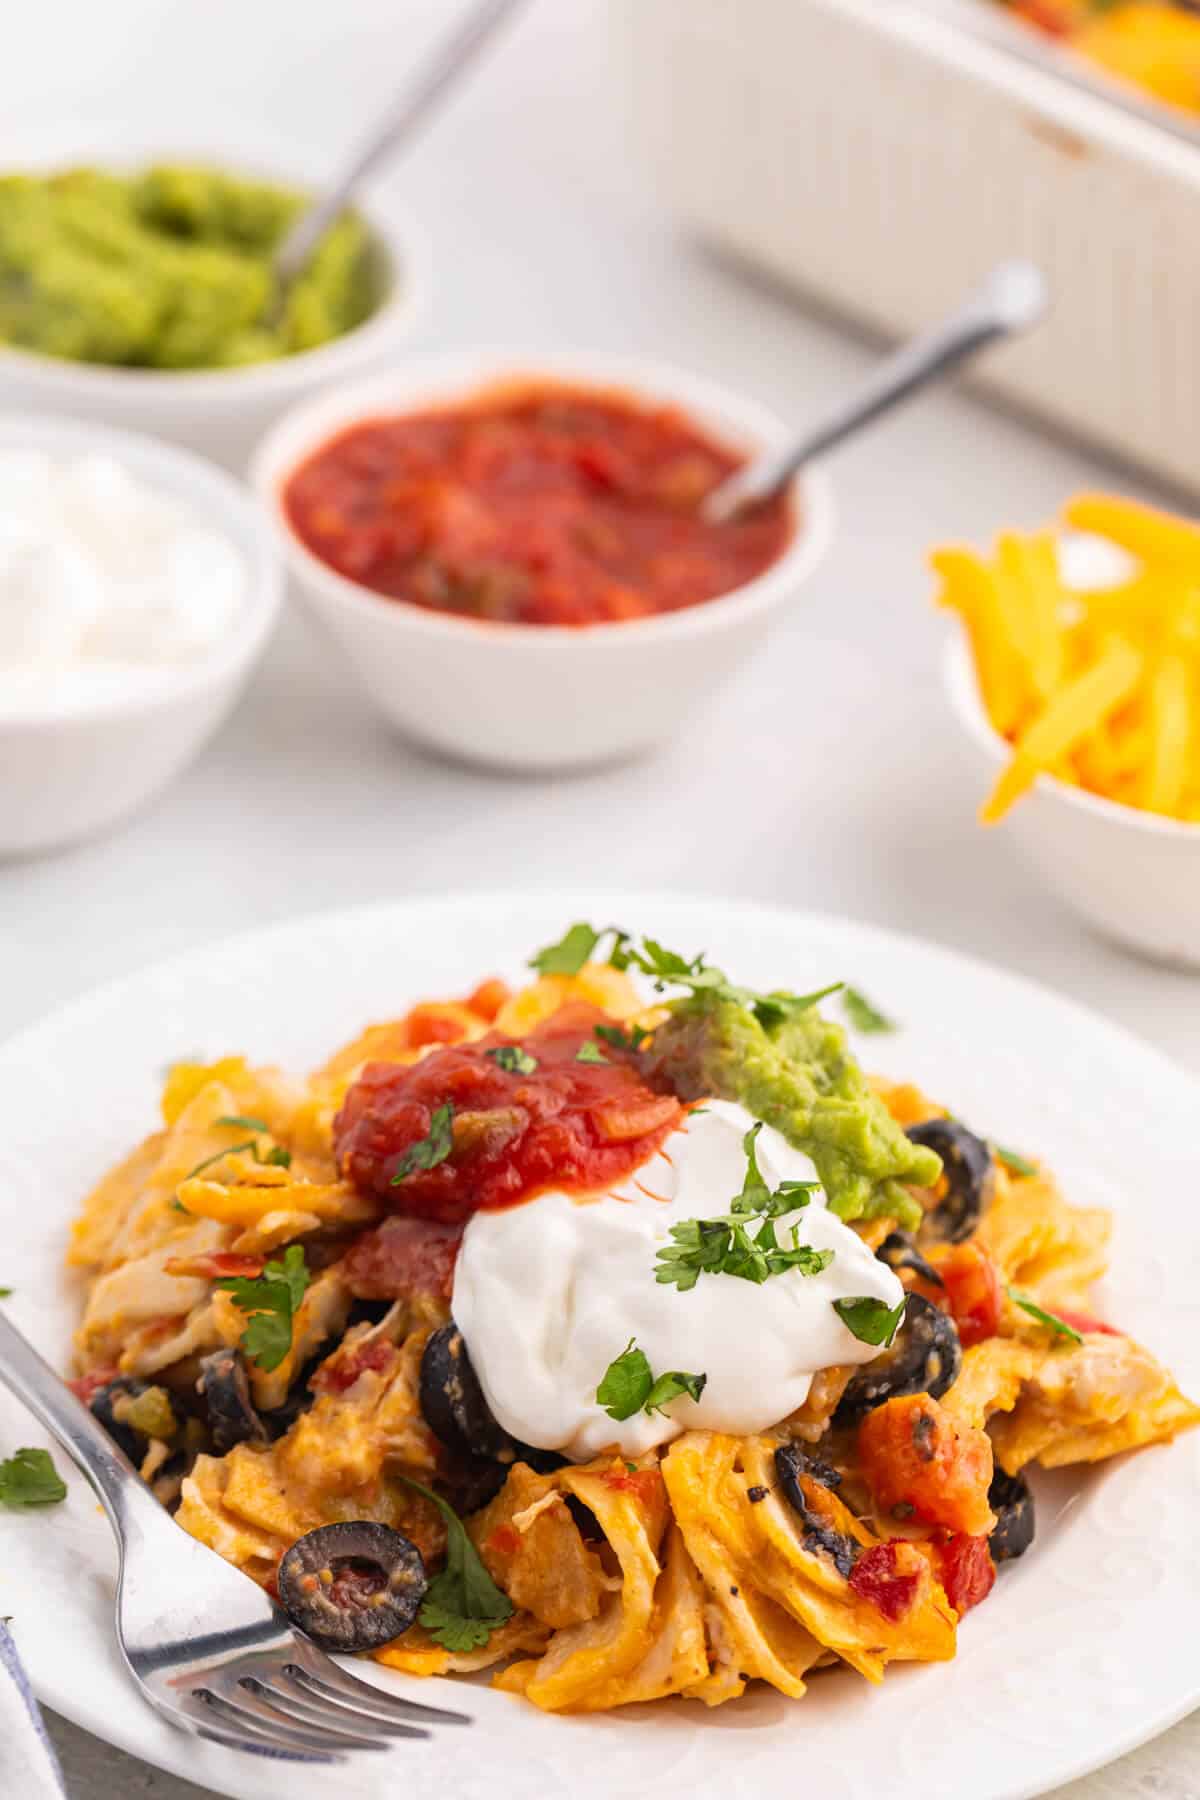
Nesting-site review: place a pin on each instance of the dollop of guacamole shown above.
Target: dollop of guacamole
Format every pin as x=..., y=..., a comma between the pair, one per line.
x=798, y=1075
x=169, y=269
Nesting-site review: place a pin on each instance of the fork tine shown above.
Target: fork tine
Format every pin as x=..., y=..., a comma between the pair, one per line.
x=332, y=1682
x=254, y=1692
x=202, y=1717
x=248, y=1710
x=307, y=1709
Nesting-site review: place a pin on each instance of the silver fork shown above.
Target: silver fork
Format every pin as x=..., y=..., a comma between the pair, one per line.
x=207, y=1646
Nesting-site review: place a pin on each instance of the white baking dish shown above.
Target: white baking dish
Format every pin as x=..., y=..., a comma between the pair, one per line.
x=882, y=154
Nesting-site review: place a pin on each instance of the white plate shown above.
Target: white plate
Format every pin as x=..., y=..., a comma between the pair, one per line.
x=1085, y=1649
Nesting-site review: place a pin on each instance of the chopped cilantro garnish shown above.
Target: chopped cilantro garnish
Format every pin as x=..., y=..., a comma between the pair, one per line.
x=430, y=1150
x=220, y=1155
x=591, y=1053
x=862, y=1014
x=463, y=1605
x=276, y=1156
x=871, y=1321
x=724, y=1245
x=633, y=1039
x=1012, y=1159
x=512, y=1059
x=667, y=968
x=576, y=947
x=1049, y=1319
x=629, y=1386
x=271, y=1301
x=5, y=1293
x=30, y=1479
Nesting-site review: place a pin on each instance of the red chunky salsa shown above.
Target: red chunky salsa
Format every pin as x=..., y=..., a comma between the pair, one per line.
x=491, y=1123
x=532, y=504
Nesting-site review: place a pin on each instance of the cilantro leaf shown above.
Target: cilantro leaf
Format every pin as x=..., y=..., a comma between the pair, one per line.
x=430, y=1150
x=462, y=1605
x=1012, y=1159
x=242, y=1122
x=591, y=1053
x=219, y=1156
x=292, y=1272
x=276, y=1157
x=1049, y=1319
x=452, y=1631
x=862, y=1014
x=575, y=948
x=270, y=1301
x=512, y=1059
x=570, y=953
x=627, y=1383
x=672, y=1386
x=633, y=1039
x=30, y=1479
x=629, y=1387
x=724, y=1245
x=776, y=1007
x=871, y=1321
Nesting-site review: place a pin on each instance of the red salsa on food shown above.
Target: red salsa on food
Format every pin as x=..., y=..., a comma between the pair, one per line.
x=532, y=504
x=491, y=1123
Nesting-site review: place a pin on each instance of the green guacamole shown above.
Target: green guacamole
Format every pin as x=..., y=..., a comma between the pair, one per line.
x=169, y=269
x=800, y=1077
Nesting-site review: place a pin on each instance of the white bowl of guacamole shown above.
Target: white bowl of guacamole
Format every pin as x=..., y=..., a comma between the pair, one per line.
x=135, y=281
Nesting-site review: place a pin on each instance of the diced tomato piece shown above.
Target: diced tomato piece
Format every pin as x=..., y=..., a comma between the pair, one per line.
x=643, y=1484
x=84, y=1386
x=967, y=1570
x=216, y=1265
x=881, y=1577
x=341, y=1371
x=972, y=1291
x=403, y=1258
x=1085, y=1322
x=488, y=998
x=433, y=1025
x=914, y=1454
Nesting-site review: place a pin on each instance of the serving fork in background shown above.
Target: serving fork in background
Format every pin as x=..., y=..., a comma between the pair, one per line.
x=209, y=1649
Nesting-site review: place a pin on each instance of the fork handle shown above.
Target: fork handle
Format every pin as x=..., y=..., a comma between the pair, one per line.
x=125, y=1497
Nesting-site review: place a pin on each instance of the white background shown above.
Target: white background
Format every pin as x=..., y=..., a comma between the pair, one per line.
x=828, y=775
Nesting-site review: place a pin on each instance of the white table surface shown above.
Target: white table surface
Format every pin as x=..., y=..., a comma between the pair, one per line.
x=828, y=775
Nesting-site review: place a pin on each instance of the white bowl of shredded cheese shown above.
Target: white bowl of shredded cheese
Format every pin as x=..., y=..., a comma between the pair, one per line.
x=138, y=586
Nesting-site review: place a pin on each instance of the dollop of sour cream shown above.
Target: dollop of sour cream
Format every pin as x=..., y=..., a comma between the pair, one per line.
x=105, y=583
x=548, y=1293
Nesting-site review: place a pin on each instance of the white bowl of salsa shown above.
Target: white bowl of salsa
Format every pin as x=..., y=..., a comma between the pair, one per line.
x=508, y=548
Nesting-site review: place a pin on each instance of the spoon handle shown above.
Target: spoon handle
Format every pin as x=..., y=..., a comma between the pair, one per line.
x=442, y=68
x=1011, y=299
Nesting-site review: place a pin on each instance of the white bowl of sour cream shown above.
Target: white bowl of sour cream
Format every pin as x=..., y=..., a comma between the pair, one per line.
x=138, y=587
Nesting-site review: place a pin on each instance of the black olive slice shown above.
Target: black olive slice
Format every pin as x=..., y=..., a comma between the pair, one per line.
x=1011, y=1501
x=925, y=1358
x=224, y=1387
x=899, y=1251
x=100, y=1404
x=453, y=1404
x=352, y=1586
x=790, y=1464
x=970, y=1177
